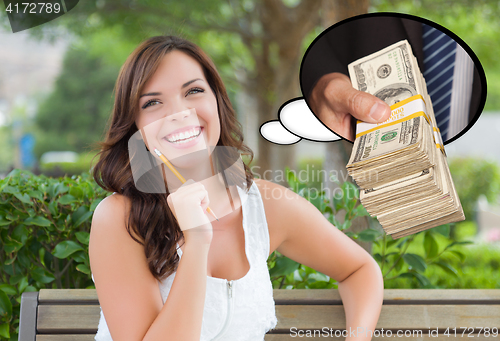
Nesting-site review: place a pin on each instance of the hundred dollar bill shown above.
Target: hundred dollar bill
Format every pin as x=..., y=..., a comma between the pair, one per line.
x=389, y=74
x=400, y=164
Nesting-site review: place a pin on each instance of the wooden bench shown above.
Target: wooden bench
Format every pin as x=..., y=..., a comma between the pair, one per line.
x=73, y=314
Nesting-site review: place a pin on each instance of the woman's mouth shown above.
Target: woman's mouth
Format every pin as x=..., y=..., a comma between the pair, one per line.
x=185, y=136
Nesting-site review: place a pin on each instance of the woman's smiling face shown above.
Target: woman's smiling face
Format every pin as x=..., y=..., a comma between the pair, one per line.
x=178, y=111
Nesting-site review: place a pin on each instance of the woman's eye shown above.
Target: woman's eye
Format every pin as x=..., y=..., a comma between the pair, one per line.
x=150, y=103
x=194, y=91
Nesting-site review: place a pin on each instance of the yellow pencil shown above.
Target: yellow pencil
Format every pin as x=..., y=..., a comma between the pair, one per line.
x=178, y=175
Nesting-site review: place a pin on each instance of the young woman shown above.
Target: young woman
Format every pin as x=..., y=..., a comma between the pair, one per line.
x=162, y=269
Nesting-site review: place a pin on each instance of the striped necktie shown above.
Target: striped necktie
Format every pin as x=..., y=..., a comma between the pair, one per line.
x=439, y=61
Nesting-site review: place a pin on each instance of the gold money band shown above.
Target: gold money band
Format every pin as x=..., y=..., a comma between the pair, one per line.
x=437, y=138
x=420, y=113
x=412, y=105
x=401, y=103
x=440, y=146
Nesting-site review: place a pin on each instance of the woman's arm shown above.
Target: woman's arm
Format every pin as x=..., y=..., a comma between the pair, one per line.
x=299, y=231
x=128, y=293
x=362, y=294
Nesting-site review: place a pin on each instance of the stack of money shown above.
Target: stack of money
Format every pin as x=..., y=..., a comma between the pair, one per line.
x=400, y=164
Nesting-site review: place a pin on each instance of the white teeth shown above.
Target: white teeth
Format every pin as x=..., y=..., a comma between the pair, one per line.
x=184, y=136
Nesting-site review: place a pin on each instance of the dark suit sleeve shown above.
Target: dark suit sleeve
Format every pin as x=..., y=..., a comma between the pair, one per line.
x=345, y=43
x=475, y=100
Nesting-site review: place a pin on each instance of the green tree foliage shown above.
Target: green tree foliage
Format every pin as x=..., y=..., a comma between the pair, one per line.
x=477, y=22
x=261, y=40
x=473, y=178
x=75, y=114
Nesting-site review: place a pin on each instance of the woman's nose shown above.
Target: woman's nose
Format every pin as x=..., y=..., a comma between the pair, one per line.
x=179, y=116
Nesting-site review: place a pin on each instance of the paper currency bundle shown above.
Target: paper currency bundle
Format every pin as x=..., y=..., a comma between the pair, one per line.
x=400, y=164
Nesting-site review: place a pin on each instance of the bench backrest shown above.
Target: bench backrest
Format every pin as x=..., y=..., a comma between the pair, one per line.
x=73, y=314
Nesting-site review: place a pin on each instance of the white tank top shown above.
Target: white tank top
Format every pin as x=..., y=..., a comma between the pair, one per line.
x=236, y=310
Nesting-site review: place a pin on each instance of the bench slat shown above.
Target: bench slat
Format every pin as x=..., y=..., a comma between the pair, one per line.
x=67, y=337
x=85, y=318
x=393, y=296
x=61, y=296
x=316, y=296
x=408, y=316
x=60, y=319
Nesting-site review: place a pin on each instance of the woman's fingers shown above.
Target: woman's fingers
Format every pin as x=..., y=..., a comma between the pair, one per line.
x=189, y=205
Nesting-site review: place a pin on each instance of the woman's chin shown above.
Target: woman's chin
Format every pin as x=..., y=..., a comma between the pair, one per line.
x=189, y=158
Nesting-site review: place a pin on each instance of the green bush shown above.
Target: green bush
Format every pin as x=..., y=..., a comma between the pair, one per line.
x=413, y=261
x=44, y=233
x=313, y=167
x=45, y=223
x=405, y=260
x=56, y=169
x=473, y=178
x=477, y=266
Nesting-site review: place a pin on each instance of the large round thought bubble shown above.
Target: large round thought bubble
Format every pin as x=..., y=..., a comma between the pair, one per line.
x=296, y=122
x=453, y=76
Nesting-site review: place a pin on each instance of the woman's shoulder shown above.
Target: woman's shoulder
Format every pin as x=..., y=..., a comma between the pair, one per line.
x=274, y=194
x=113, y=205
x=111, y=216
x=279, y=202
x=285, y=210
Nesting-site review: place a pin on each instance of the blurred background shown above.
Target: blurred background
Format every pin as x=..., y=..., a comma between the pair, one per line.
x=56, y=83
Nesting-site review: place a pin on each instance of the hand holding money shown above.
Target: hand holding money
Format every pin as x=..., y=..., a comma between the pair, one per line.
x=335, y=102
x=400, y=164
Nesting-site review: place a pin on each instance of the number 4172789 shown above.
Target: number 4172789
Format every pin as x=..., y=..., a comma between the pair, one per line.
x=472, y=332
x=34, y=8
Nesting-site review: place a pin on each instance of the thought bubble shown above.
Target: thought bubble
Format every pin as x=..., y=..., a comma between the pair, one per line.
x=295, y=122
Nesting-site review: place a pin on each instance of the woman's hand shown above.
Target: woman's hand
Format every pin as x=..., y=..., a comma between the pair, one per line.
x=189, y=204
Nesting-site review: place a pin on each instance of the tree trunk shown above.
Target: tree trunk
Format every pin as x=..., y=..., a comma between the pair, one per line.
x=277, y=55
x=337, y=153
x=343, y=9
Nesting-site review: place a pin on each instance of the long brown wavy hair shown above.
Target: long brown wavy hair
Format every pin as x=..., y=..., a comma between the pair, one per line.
x=150, y=217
